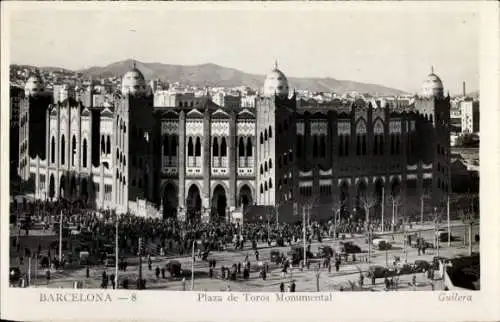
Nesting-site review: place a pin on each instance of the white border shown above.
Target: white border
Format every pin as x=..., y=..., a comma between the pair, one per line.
x=23, y=304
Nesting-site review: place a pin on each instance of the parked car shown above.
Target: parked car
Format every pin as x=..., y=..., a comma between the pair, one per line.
x=275, y=256
x=382, y=244
x=14, y=275
x=325, y=251
x=421, y=265
x=377, y=271
x=405, y=269
x=350, y=248
x=174, y=268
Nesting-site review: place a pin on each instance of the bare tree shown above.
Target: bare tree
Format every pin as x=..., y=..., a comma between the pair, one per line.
x=368, y=203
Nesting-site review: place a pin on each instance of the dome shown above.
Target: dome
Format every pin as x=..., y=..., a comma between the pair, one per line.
x=276, y=83
x=433, y=86
x=133, y=82
x=34, y=85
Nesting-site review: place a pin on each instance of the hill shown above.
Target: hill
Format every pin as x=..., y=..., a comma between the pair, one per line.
x=214, y=75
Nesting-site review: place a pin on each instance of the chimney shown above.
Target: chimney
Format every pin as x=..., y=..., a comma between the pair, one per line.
x=465, y=93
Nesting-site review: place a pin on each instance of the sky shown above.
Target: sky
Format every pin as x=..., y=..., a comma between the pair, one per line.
x=395, y=48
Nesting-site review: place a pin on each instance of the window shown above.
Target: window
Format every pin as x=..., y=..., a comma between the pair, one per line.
x=270, y=164
x=261, y=138
x=249, y=147
x=84, y=153
x=265, y=166
x=341, y=146
x=270, y=132
x=173, y=146
x=322, y=146
x=117, y=154
x=73, y=150
x=215, y=148
x=190, y=147
x=261, y=169
x=270, y=183
x=103, y=145
x=63, y=150
x=241, y=147
x=108, y=145
x=197, y=148
x=299, y=146
x=363, y=144
x=53, y=150
x=165, y=145
x=265, y=135
x=315, y=146
x=375, y=144
x=223, y=148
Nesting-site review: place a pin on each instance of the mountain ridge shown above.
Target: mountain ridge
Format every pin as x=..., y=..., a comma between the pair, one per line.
x=211, y=74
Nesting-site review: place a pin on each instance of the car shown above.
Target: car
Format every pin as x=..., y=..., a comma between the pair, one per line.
x=350, y=248
x=325, y=251
x=382, y=244
x=405, y=269
x=14, y=275
x=275, y=256
x=377, y=271
x=421, y=265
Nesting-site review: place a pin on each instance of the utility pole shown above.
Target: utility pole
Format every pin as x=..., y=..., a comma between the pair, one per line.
x=29, y=271
x=369, y=245
x=393, y=214
x=422, y=209
x=140, y=263
x=277, y=213
x=304, y=233
x=116, y=253
x=448, y=219
x=192, y=267
x=383, y=207
x=436, y=229
x=60, y=236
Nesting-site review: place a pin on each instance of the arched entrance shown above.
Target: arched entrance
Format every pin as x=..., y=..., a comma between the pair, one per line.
x=169, y=200
x=52, y=187
x=344, y=199
x=245, y=195
x=62, y=187
x=85, y=190
x=193, y=204
x=219, y=203
x=72, y=187
x=361, y=200
x=379, y=190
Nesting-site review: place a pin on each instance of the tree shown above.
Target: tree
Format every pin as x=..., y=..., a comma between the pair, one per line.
x=368, y=203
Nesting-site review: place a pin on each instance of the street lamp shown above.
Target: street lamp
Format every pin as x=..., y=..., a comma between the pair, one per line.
x=436, y=229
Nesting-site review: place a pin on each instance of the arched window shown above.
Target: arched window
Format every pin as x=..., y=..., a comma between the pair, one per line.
x=223, y=148
x=63, y=150
x=341, y=146
x=265, y=186
x=117, y=154
x=108, y=145
x=124, y=160
x=249, y=147
x=173, y=146
x=299, y=146
x=381, y=145
x=363, y=144
x=53, y=150
x=270, y=183
x=215, y=148
x=265, y=166
x=261, y=169
x=197, y=148
x=375, y=144
x=103, y=145
x=73, y=150
x=241, y=147
x=261, y=188
x=270, y=132
x=322, y=146
x=261, y=138
x=190, y=147
x=265, y=135
x=165, y=145
x=84, y=153
x=270, y=164
x=315, y=146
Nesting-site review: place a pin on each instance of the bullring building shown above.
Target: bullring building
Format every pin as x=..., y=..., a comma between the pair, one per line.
x=185, y=156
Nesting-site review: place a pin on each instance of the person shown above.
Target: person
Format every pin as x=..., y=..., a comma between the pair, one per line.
x=210, y=272
x=47, y=275
x=329, y=266
x=361, y=279
x=337, y=265
x=257, y=255
x=238, y=268
x=183, y=283
x=414, y=280
x=157, y=272
x=163, y=272
x=87, y=271
x=289, y=288
x=282, y=287
x=292, y=287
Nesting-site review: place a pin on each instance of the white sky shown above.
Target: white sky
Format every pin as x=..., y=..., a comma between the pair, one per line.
x=389, y=47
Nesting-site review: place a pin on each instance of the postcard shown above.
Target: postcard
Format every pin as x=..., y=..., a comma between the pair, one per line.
x=250, y=161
